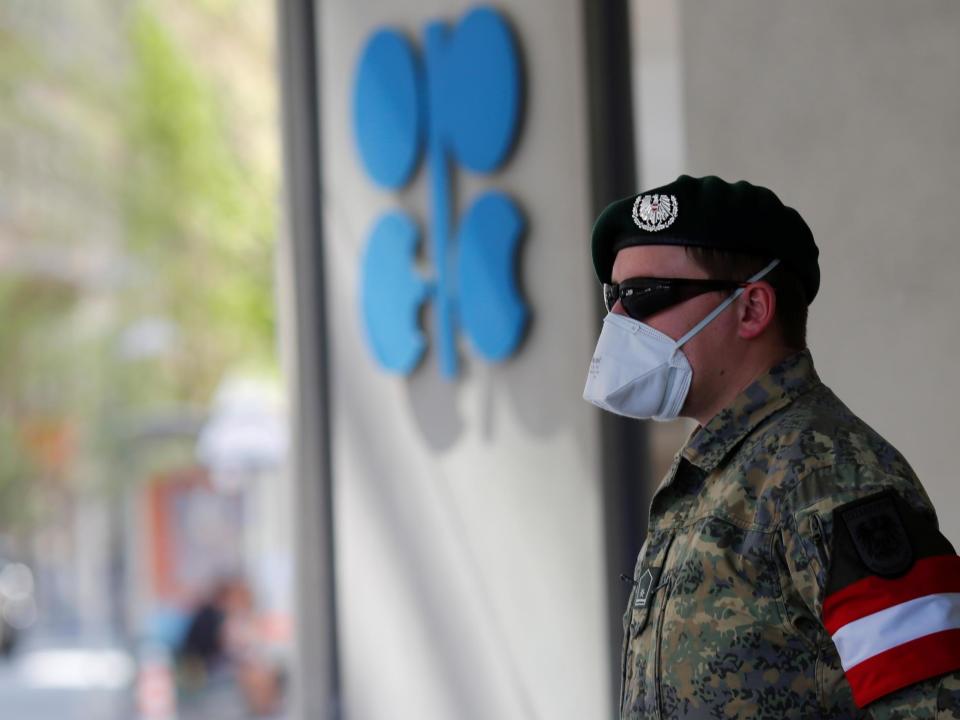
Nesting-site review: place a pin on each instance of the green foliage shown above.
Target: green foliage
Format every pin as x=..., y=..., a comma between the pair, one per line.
x=156, y=144
x=200, y=220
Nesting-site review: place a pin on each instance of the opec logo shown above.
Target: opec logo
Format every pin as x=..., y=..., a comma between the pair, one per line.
x=457, y=103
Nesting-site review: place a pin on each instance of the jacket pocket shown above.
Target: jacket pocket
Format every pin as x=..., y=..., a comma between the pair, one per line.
x=639, y=648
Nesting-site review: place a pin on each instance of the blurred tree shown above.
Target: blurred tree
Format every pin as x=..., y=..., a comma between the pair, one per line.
x=200, y=217
x=138, y=188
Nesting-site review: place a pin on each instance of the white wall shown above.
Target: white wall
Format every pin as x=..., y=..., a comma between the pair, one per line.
x=471, y=581
x=850, y=112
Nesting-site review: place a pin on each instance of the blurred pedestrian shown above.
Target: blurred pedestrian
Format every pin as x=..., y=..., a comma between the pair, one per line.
x=223, y=649
x=202, y=649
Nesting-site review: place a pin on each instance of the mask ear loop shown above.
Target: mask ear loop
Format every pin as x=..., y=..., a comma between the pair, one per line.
x=723, y=306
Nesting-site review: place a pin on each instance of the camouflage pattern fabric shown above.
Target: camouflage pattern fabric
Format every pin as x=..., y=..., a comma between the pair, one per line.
x=739, y=546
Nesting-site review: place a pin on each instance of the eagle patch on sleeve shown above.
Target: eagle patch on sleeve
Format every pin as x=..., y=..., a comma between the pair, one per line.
x=892, y=603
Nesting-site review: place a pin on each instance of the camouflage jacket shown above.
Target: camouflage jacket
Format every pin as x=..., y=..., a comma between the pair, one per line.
x=789, y=568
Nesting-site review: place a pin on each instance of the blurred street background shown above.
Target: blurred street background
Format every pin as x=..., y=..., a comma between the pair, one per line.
x=144, y=526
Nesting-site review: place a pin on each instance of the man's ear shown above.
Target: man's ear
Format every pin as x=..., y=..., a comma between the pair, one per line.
x=756, y=309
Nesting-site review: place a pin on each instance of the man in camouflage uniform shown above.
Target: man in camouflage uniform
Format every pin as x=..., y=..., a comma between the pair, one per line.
x=792, y=567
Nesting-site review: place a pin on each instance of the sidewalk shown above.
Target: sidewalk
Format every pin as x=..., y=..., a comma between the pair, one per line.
x=47, y=679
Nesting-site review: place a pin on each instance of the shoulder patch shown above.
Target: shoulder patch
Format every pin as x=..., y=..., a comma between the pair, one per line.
x=892, y=601
x=878, y=534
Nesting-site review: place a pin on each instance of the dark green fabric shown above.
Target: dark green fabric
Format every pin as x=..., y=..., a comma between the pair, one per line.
x=713, y=213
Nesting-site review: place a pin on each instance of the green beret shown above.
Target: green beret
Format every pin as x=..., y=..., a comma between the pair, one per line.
x=711, y=213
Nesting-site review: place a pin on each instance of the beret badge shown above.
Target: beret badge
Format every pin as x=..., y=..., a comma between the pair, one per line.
x=654, y=212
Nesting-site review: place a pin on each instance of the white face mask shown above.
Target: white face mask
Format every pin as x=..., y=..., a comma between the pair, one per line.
x=638, y=371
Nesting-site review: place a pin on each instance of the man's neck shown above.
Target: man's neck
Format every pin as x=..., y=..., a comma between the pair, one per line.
x=744, y=374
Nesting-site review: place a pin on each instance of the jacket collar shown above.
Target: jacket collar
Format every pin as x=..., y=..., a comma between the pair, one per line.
x=775, y=389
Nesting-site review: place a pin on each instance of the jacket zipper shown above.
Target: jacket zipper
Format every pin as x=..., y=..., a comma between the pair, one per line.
x=658, y=638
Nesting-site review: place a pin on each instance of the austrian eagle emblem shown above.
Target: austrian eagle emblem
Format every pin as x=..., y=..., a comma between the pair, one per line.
x=654, y=212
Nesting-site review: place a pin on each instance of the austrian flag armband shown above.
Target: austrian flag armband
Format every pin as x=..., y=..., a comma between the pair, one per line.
x=892, y=603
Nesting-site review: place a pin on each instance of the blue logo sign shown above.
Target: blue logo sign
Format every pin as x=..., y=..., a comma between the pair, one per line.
x=460, y=106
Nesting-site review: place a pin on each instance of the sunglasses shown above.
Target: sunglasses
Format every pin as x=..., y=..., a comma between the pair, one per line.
x=641, y=297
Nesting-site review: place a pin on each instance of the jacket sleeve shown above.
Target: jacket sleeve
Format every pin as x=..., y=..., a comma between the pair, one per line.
x=937, y=698
x=868, y=561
